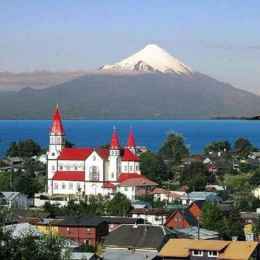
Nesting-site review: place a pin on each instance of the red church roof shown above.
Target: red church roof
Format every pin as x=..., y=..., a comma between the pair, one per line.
x=75, y=154
x=129, y=156
x=114, y=140
x=57, y=127
x=131, y=139
x=108, y=185
x=103, y=153
x=69, y=176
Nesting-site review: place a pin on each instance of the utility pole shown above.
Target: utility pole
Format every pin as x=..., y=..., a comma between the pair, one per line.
x=198, y=228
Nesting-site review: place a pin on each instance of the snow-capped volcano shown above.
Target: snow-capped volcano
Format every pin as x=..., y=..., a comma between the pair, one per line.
x=151, y=58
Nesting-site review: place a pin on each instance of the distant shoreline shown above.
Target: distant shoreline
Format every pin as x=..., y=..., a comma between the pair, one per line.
x=134, y=119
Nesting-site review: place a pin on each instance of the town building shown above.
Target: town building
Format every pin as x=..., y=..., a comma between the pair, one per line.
x=180, y=219
x=11, y=199
x=93, y=171
x=131, y=242
x=209, y=249
x=89, y=230
x=154, y=216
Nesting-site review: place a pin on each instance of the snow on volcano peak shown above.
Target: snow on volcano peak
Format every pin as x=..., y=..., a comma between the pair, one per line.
x=151, y=58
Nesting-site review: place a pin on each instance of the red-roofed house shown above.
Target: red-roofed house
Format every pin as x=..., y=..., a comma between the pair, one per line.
x=90, y=171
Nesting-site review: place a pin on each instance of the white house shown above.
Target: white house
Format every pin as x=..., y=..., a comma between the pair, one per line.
x=13, y=199
x=92, y=171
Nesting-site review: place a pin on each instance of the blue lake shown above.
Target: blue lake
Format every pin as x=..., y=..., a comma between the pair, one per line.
x=197, y=133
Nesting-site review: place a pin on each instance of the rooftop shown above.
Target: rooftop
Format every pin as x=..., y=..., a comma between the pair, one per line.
x=137, y=236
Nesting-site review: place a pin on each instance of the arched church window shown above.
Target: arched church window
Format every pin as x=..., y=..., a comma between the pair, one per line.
x=94, y=173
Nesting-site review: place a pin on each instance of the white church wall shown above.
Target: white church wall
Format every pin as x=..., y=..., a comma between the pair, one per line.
x=94, y=167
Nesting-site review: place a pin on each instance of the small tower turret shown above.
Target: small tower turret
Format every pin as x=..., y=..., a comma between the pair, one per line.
x=57, y=137
x=114, y=157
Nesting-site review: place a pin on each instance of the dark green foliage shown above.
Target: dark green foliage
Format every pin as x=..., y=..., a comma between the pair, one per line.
x=119, y=205
x=87, y=248
x=153, y=167
x=5, y=181
x=196, y=176
x=220, y=146
x=257, y=227
x=68, y=144
x=227, y=225
x=174, y=148
x=255, y=179
x=212, y=217
x=27, y=181
x=243, y=147
x=26, y=148
x=26, y=247
x=92, y=205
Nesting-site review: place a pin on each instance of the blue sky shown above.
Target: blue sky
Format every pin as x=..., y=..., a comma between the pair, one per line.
x=220, y=38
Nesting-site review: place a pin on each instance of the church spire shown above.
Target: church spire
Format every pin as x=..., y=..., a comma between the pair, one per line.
x=131, y=139
x=115, y=144
x=57, y=127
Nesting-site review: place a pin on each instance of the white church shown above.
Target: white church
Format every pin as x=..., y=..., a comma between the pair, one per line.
x=90, y=171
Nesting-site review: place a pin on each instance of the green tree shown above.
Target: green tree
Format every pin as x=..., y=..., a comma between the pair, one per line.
x=220, y=146
x=196, y=176
x=255, y=178
x=120, y=205
x=243, y=147
x=153, y=166
x=68, y=144
x=212, y=217
x=27, y=247
x=26, y=148
x=227, y=225
x=5, y=181
x=174, y=148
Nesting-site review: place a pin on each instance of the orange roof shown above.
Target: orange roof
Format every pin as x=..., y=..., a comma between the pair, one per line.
x=176, y=248
x=239, y=250
x=181, y=247
x=125, y=176
x=138, y=181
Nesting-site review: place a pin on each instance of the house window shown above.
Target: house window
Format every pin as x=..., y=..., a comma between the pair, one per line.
x=126, y=189
x=212, y=254
x=94, y=158
x=61, y=167
x=56, y=186
x=130, y=168
x=63, y=186
x=94, y=173
x=71, y=185
x=112, y=175
x=125, y=168
x=197, y=253
x=53, y=167
x=78, y=186
x=76, y=168
x=137, y=167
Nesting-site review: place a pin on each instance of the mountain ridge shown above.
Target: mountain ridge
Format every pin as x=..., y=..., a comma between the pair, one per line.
x=165, y=90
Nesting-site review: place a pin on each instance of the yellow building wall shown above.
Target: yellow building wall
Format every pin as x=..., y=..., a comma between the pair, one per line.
x=47, y=229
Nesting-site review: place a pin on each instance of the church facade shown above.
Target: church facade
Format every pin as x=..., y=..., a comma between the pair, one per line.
x=93, y=171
